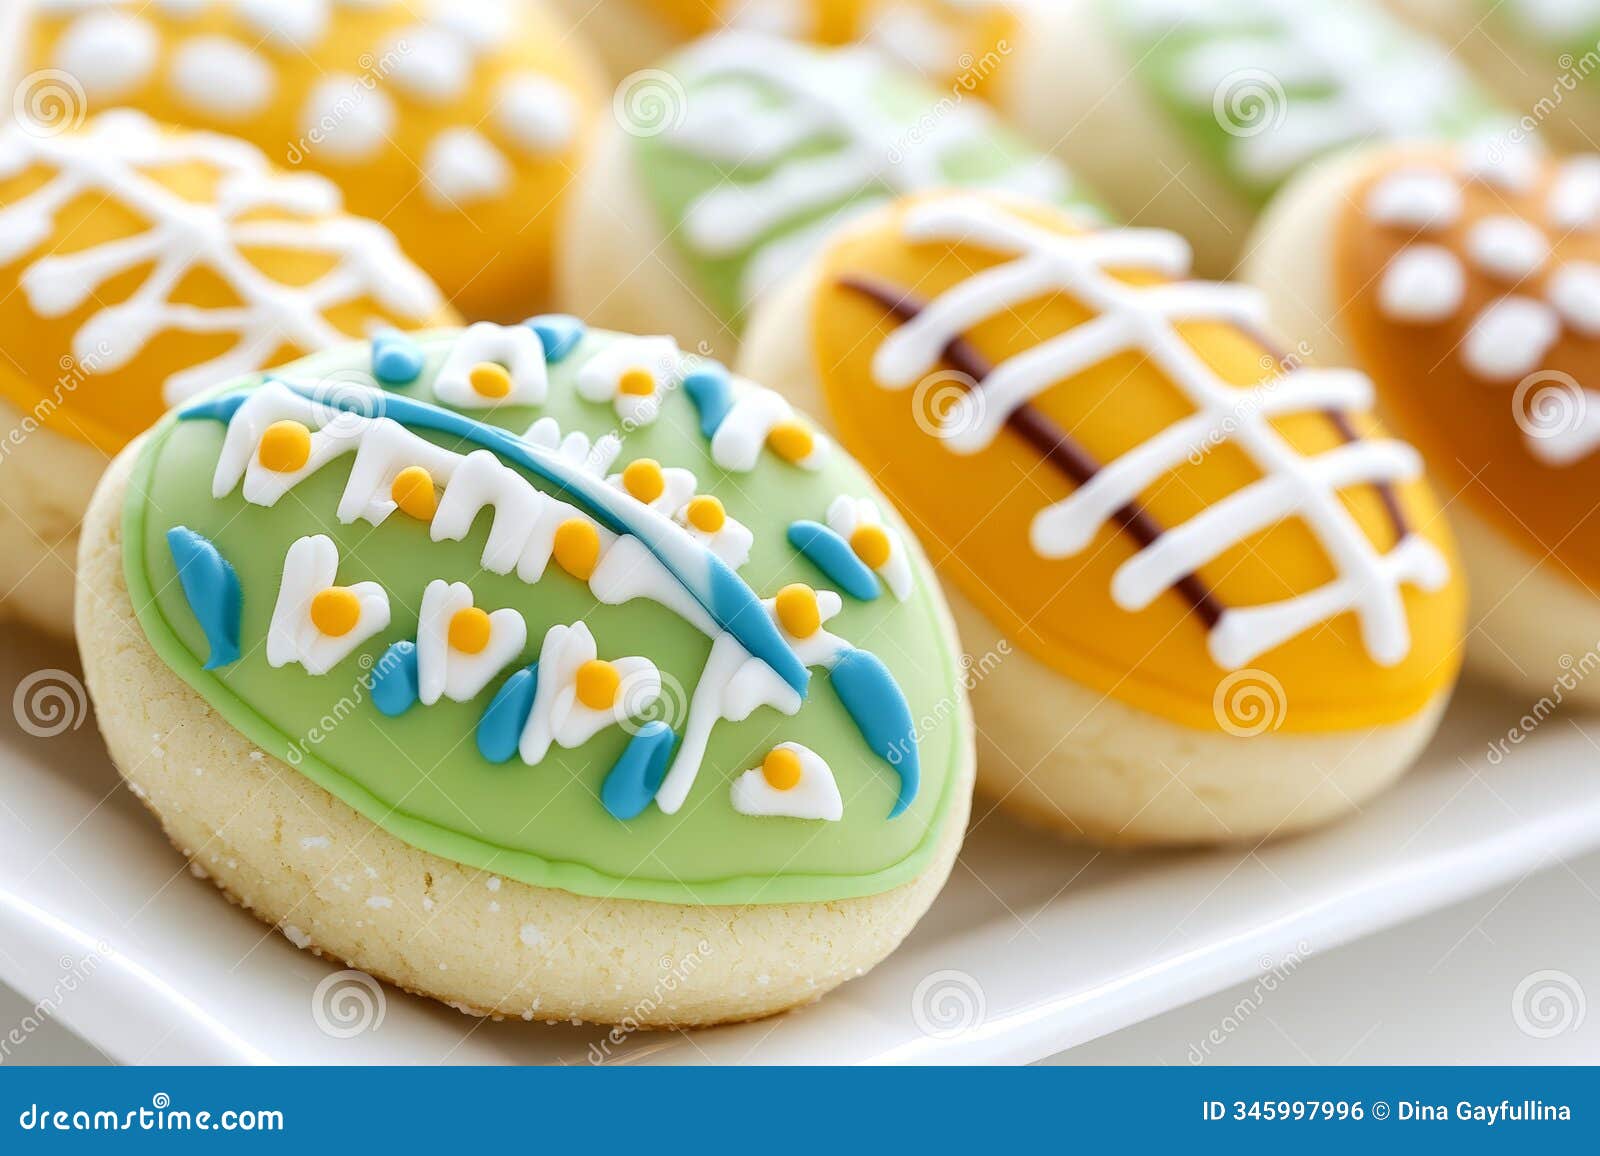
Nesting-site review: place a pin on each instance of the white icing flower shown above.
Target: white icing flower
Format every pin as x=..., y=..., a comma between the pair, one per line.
x=708, y=521
x=632, y=374
x=578, y=694
x=794, y=782
x=761, y=418
x=492, y=365
x=859, y=522
x=460, y=647
x=662, y=488
x=315, y=622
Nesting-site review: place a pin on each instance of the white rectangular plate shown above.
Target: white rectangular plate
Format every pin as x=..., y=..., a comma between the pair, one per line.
x=1035, y=946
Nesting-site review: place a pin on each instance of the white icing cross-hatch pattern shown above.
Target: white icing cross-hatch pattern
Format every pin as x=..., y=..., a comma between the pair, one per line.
x=1426, y=282
x=1131, y=317
x=254, y=209
x=831, y=98
x=113, y=49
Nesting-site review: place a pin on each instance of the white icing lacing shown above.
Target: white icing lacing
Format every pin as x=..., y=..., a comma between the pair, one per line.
x=112, y=48
x=1425, y=283
x=1127, y=318
x=1294, y=79
x=256, y=209
x=831, y=99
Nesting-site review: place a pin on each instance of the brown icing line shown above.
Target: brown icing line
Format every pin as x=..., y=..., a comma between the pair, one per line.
x=1054, y=443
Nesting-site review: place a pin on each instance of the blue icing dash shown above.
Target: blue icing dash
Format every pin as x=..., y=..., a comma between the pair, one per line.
x=882, y=715
x=396, y=358
x=732, y=604
x=633, y=781
x=833, y=556
x=712, y=393
x=394, y=680
x=212, y=590
x=559, y=333
x=500, y=728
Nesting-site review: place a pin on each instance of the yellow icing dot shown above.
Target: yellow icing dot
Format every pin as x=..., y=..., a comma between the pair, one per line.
x=791, y=441
x=285, y=447
x=490, y=380
x=871, y=545
x=798, y=610
x=597, y=684
x=577, y=548
x=335, y=611
x=413, y=492
x=706, y=514
x=637, y=382
x=781, y=769
x=469, y=630
x=644, y=480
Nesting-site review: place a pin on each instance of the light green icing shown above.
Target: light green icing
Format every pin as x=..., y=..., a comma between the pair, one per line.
x=910, y=126
x=1260, y=88
x=420, y=776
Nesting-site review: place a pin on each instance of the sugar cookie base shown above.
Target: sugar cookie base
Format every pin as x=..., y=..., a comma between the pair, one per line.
x=300, y=859
x=1077, y=761
x=1069, y=86
x=617, y=268
x=1529, y=621
x=45, y=482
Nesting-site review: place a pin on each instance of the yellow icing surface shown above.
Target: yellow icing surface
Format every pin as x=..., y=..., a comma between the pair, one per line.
x=948, y=41
x=974, y=511
x=55, y=371
x=489, y=250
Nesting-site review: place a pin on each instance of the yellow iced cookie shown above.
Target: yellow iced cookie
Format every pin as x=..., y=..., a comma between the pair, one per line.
x=457, y=125
x=1209, y=575
x=139, y=265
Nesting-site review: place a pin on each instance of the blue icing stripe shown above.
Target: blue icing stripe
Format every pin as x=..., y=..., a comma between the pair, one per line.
x=211, y=588
x=500, y=728
x=882, y=715
x=394, y=680
x=396, y=358
x=732, y=604
x=633, y=781
x=559, y=333
x=833, y=556
x=712, y=393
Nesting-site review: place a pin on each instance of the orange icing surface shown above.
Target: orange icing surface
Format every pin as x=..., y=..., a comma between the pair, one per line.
x=973, y=512
x=981, y=32
x=1464, y=425
x=108, y=407
x=490, y=256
